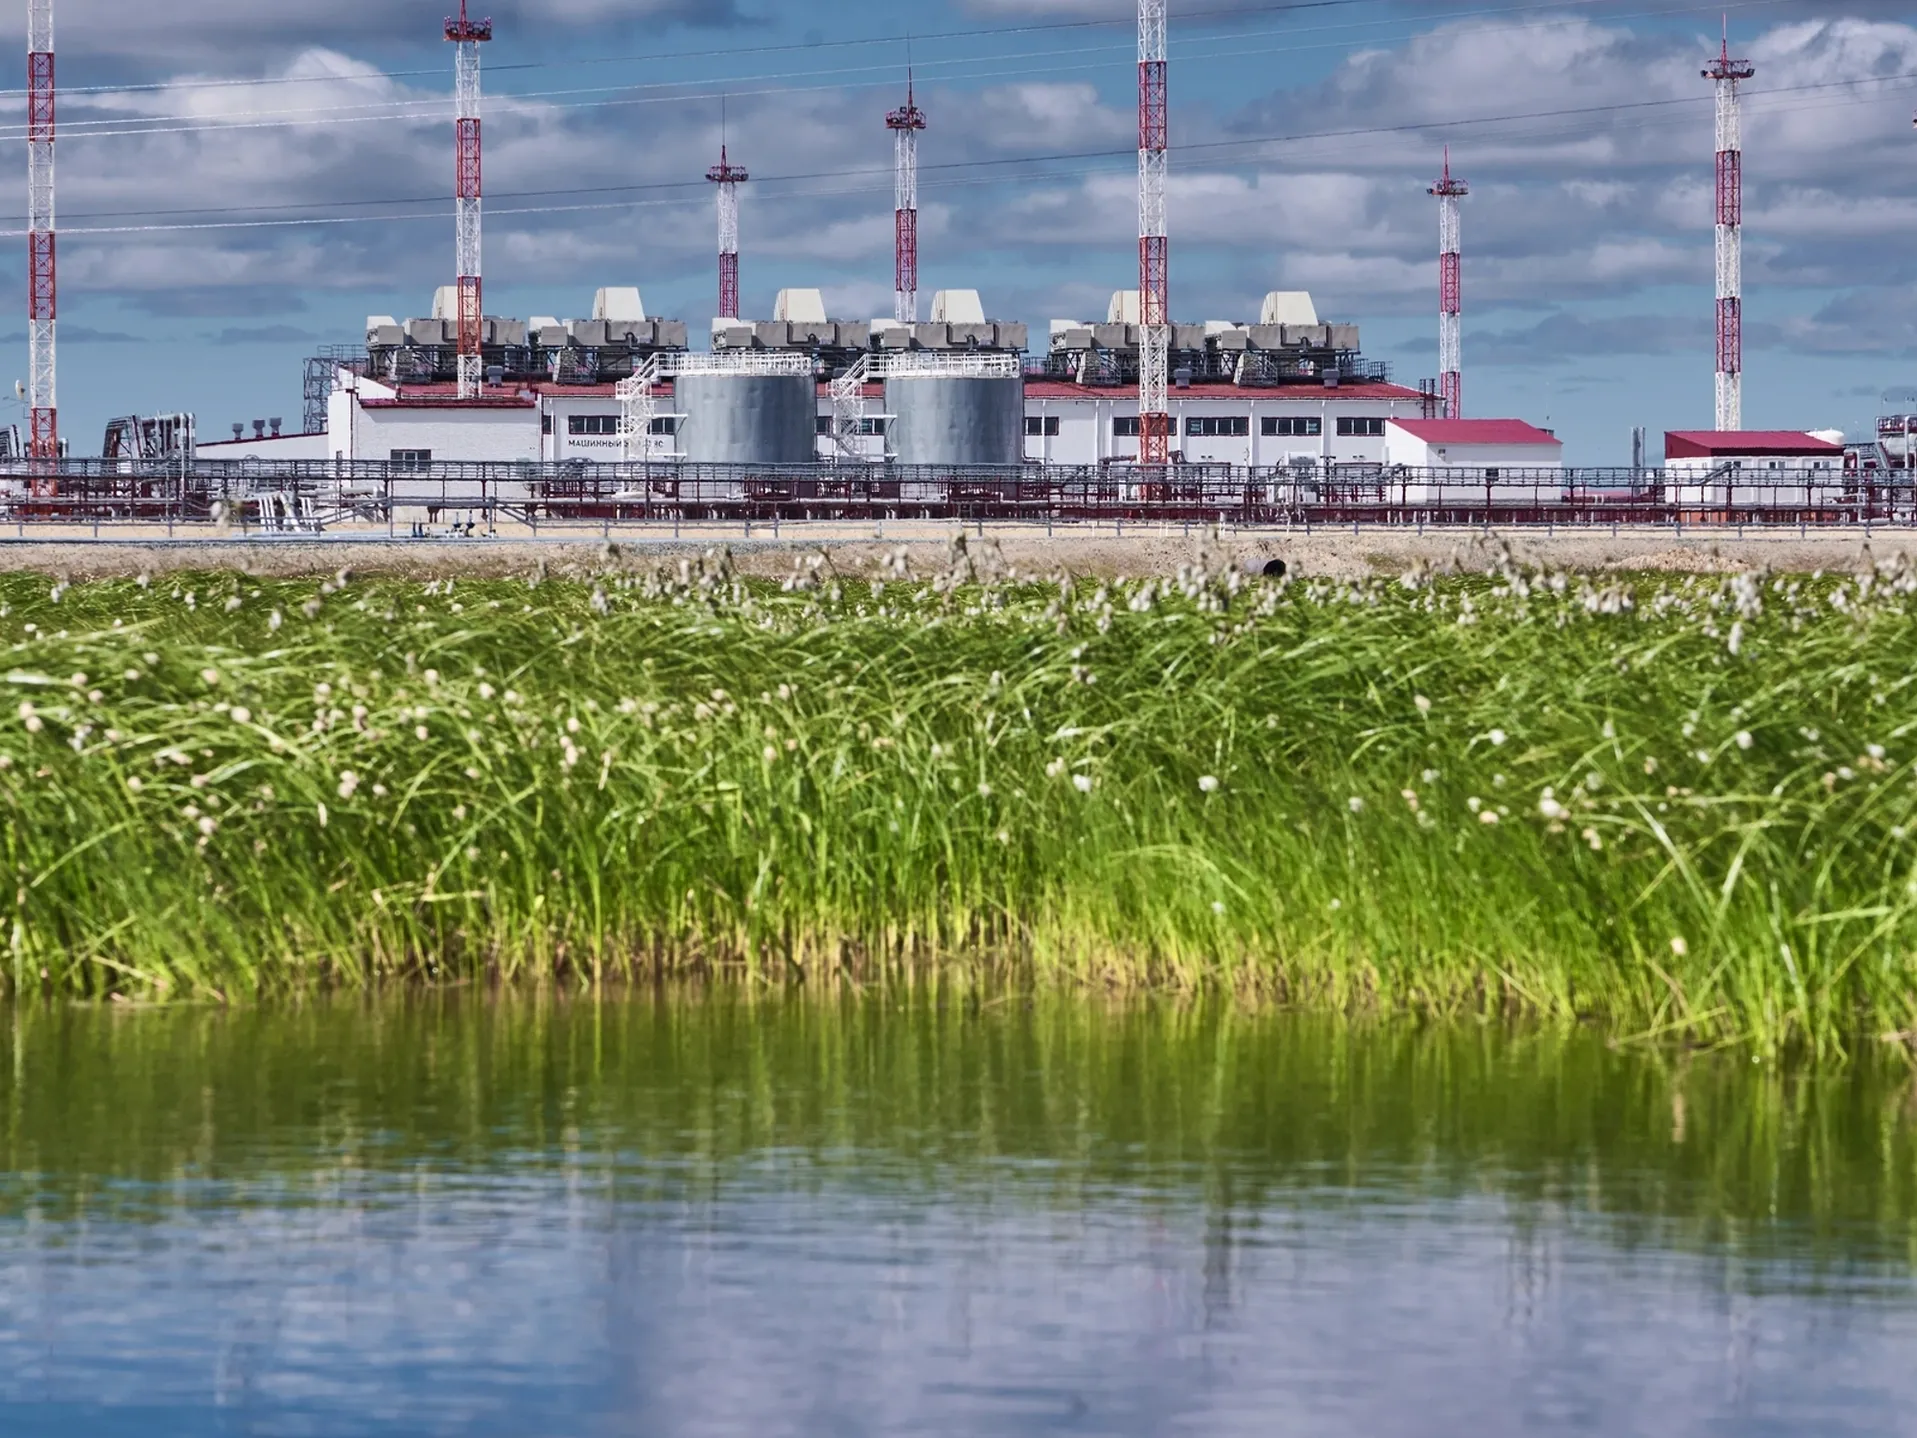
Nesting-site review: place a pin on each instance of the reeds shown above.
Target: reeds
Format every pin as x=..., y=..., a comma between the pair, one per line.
x=1682, y=805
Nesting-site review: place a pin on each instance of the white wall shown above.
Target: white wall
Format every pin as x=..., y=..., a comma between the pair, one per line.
x=1766, y=481
x=1402, y=447
x=563, y=444
x=1085, y=429
x=469, y=436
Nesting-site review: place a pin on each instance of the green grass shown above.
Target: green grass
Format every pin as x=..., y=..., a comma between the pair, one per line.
x=1681, y=805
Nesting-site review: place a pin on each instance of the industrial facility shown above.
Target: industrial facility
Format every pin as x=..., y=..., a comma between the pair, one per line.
x=1276, y=415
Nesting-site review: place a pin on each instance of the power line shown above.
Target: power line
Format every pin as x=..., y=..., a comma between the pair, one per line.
x=950, y=168
x=428, y=109
x=137, y=124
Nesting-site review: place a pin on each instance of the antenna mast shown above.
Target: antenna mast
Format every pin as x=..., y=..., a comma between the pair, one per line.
x=905, y=125
x=42, y=270
x=1451, y=289
x=467, y=36
x=1727, y=73
x=728, y=177
x=1154, y=240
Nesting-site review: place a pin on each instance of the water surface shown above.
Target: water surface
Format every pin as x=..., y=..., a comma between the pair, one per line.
x=746, y=1212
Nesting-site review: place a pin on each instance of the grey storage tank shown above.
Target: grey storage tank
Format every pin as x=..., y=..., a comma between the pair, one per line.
x=747, y=409
x=956, y=410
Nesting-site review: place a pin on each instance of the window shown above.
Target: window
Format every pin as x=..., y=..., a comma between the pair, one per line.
x=1272, y=427
x=1218, y=426
x=1125, y=427
x=592, y=424
x=412, y=458
x=665, y=424
x=1490, y=474
x=870, y=428
x=1041, y=426
x=1350, y=427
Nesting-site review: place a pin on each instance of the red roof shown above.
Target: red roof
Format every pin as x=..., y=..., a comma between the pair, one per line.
x=1476, y=431
x=1293, y=393
x=410, y=400
x=1709, y=443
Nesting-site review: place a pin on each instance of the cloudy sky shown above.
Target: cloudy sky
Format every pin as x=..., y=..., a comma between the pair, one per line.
x=242, y=183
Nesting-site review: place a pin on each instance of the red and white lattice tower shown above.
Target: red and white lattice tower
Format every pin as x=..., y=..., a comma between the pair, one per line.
x=467, y=36
x=1449, y=192
x=1727, y=73
x=906, y=125
x=1154, y=238
x=42, y=269
x=728, y=177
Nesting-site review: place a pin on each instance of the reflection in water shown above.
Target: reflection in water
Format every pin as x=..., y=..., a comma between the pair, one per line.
x=735, y=1211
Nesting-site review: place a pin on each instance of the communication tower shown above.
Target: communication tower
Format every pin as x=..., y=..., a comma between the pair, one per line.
x=42, y=267
x=1154, y=239
x=728, y=177
x=1450, y=192
x=906, y=126
x=466, y=37
x=1728, y=74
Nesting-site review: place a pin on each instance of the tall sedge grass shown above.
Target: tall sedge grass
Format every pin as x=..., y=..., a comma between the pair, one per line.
x=1681, y=805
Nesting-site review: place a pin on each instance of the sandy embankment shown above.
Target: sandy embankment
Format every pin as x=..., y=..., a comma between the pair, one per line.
x=857, y=549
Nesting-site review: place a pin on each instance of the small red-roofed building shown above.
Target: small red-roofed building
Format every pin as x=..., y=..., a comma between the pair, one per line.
x=1493, y=462
x=1764, y=468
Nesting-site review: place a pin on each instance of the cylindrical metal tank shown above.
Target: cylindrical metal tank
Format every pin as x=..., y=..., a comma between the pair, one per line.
x=956, y=420
x=747, y=418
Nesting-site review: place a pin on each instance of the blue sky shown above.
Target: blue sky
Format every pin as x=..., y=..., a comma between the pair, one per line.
x=258, y=178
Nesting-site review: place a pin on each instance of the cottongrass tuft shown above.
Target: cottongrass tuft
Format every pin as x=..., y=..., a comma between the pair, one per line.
x=830, y=829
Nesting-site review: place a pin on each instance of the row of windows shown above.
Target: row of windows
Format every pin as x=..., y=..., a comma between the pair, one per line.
x=1222, y=426
x=1239, y=427
x=583, y=425
x=1226, y=426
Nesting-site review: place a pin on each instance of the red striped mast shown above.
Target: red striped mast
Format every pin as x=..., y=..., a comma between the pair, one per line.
x=42, y=248
x=467, y=36
x=906, y=125
x=1154, y=238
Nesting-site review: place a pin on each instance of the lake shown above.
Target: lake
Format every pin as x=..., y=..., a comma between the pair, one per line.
x=927, y=1209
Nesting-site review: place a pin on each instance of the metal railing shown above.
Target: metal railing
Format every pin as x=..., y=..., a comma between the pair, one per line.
x=275, y=495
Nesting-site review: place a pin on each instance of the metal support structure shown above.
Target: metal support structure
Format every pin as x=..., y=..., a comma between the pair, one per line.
x=1154, y=237
x=728, y=177
x=1727, y=73
x=469, y=188
x=906, y=126
x=43, y=402
x=638, y=409
x=1449, y=193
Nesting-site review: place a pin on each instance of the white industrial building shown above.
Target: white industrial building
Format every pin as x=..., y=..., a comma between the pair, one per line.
x=1473, y=461
x=1285, y=391
x=1716, y=469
